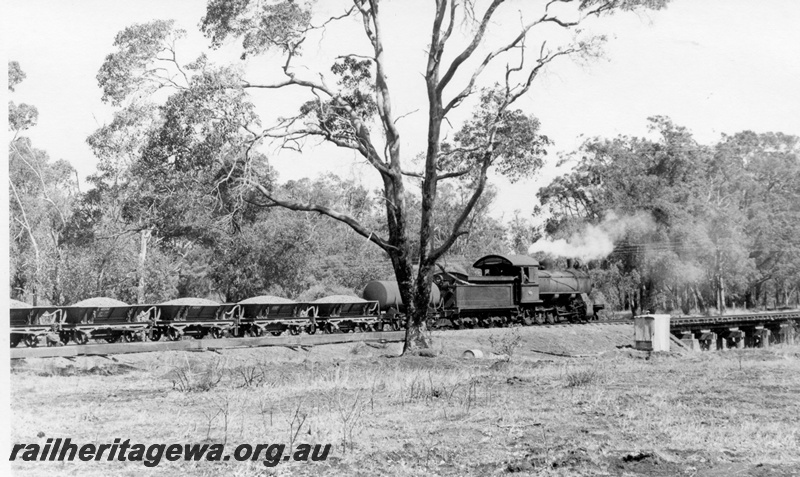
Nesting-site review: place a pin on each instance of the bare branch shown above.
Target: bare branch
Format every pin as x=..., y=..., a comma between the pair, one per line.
x=457, y=230
x=413, y=174
x=450, y=175
x=470, y=49
x=404, y=115
x=331, y=19
x=339, y=216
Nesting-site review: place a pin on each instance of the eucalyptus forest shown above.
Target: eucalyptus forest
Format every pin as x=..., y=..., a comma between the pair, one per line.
x=184, y=201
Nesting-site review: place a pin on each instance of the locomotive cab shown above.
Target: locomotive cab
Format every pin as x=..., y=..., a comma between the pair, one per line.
x=519, y=269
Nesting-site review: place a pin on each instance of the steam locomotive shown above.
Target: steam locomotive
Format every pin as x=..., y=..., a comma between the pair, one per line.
x=510, y=289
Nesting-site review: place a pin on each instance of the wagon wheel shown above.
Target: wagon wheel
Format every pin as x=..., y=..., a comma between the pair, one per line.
x=276, y=333
x=217, y=333
x=64, y=337
x=125, y=337
x=328, y=328
x=294, y=330
x=255, y=331
x=80, y=337
x=112, y=339
x=155, y=334
x=31, y=341
x=15, y=339
x=172, y=334
x=311, y=328
x=396, y=325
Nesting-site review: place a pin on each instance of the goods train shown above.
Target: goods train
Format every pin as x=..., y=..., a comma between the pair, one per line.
x=509, y=289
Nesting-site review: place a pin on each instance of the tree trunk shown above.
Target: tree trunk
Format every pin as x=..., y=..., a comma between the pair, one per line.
x=416, y=339
x=686, y=301
x=756, y=294
x=416, y=323
x=144, y=237
x=699, y=298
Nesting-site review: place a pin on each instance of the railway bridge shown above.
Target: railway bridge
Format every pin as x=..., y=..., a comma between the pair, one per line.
x=751, y=330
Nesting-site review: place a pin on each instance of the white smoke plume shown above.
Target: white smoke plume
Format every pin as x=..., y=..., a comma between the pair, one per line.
x=595, y=241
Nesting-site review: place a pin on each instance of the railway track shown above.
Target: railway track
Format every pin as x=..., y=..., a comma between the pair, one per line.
x=678, y=324
x=205, y=344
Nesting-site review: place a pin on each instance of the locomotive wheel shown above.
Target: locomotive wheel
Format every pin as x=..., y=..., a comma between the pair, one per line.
x=526, y=318
x=538, y=318
x=311, y=329
x=217, y=333
x=155, y=334
x=551, y=318
x=80, y=337
x=31, y=341
x=527, y=321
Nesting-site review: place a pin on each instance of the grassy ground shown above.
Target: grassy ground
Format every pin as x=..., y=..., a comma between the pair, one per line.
x=612, y=413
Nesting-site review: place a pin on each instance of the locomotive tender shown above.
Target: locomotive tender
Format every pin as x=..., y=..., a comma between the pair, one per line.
x=510, y=289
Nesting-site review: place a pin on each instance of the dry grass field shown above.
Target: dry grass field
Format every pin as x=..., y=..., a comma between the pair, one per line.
x=609, y=412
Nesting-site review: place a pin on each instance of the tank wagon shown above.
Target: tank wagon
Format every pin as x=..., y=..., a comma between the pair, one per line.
x=505, y=290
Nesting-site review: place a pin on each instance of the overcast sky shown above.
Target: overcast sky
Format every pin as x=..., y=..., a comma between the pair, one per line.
x=714, y=66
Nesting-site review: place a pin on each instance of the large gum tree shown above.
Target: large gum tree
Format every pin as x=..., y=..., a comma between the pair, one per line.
x=483, y=54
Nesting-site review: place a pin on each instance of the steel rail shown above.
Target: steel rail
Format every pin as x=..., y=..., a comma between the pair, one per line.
x=205, y=344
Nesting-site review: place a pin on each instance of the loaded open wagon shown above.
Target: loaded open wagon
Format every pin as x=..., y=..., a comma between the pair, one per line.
x=30, y=323
x=106, y=319
x=272, y=314
x=341, y=313
x=196, y=317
